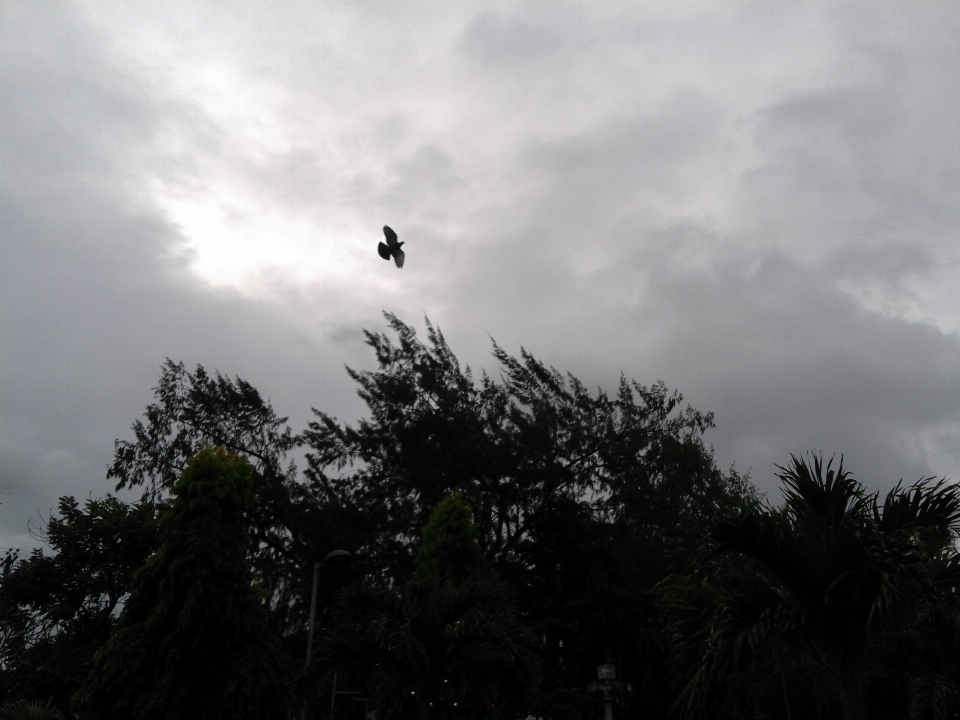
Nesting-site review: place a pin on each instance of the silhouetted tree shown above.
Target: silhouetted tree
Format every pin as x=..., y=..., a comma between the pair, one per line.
x=29, y=710
x=290, y=526
x=805, y=602
x=56, y=610
x=448, y=644
x=192, y=640
x=579, y=498
x=582, y=501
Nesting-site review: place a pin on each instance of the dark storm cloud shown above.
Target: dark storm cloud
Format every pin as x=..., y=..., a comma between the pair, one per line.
x=787, y=360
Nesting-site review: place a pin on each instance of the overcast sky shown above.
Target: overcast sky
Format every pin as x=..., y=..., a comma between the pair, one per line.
x=757, y=203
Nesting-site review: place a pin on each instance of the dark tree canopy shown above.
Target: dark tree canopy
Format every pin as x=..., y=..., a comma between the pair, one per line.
x=518, y=449
x=449, y=643
x=192, y=411
x=578, y=498
x=56, y=610
x=192, y=640
x=836, y=604
x=550, y=510
x=288, y=527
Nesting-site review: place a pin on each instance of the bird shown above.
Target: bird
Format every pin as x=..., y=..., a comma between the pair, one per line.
x=392, y=247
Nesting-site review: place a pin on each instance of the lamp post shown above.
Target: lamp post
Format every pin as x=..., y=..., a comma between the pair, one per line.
x=334, y=558
x=607, y=673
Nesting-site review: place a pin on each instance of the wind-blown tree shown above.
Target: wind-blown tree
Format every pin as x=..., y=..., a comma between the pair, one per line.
x=192, y=640
x=825, y=605
x=514, y=447
x=57, y=609
x=448, y=644
x=577, y=497
x=290, y=529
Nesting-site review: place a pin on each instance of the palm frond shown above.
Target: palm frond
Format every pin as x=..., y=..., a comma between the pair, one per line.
x=30, y=710
x=925, y=505
x=820, y=493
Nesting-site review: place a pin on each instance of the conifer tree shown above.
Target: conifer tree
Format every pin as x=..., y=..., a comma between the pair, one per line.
x=192, y=641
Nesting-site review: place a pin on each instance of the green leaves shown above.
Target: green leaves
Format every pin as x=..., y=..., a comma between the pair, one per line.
x=514, y=447
x=578, y=497
x=832, y=498
x=27, y=710
x=56, y=610
x=452, y=634
x=449, y=553
x=925, y=507
x=192, y=631
x=578, y=501
x=194, y=410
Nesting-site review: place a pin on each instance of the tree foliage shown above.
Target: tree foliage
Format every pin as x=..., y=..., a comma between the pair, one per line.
x=192, y=640
x=193, y=411
x=515, y=447
x=579, y=499
x=289, y=526
x=509, y=532
x=56, y=610
x=836, y=603
x=29, y=710
x=449, y=643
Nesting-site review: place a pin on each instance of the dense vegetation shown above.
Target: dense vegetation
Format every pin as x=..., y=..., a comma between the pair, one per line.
x=507, y=537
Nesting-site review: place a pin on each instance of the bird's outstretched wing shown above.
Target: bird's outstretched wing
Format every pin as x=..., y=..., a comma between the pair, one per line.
x=398, y=257
x=390, y=235
x=384, y=251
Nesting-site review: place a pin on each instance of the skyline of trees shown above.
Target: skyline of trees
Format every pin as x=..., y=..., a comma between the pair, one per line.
x=521, y=524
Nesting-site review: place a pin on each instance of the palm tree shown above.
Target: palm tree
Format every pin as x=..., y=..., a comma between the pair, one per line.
x=811, y=593
x=30, y=710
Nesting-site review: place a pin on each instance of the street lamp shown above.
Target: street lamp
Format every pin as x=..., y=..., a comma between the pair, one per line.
x=335, y=558
x=608, y=674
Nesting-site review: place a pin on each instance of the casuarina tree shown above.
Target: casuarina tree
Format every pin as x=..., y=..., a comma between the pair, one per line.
x=579, y=497
x=289, y=526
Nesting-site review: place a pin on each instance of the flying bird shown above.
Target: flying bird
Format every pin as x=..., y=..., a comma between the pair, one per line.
x=392, y=247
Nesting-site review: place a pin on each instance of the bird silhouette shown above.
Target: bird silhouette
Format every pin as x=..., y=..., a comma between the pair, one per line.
x=392, y=247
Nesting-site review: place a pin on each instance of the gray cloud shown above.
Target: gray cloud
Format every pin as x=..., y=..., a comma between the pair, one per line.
x=96, y=288
x=758, y=206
